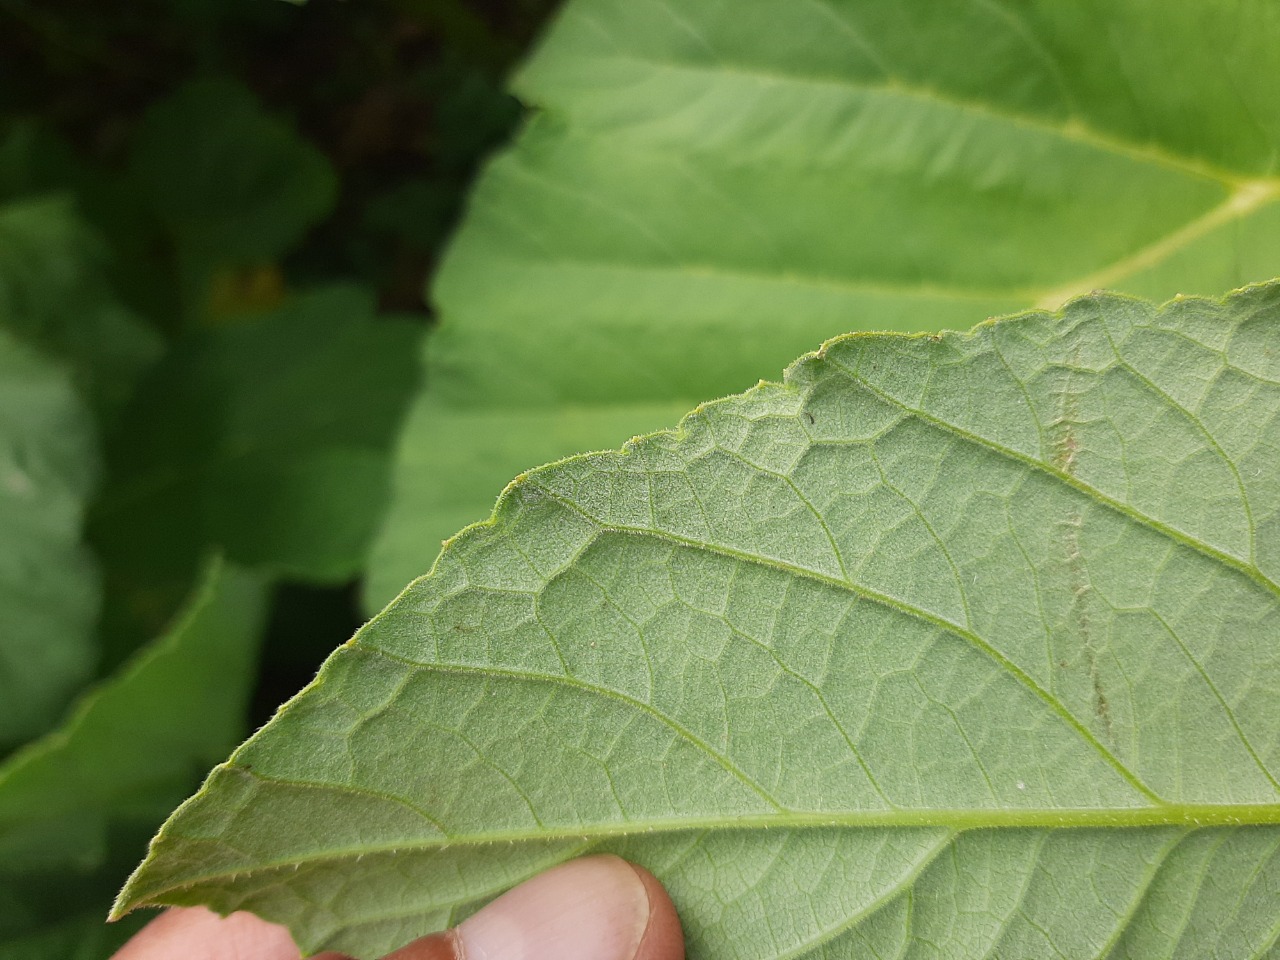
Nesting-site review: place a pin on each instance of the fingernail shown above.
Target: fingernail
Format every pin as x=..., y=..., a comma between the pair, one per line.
x=595, y=908
x=438, y=946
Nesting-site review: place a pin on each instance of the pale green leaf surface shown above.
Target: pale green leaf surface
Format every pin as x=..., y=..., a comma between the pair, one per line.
x=479, y=444
x=48, y=584
x=946, y=646
x=706, y=189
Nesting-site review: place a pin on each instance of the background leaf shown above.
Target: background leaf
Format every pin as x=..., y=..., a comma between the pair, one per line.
x=707, y=189
x=952, y=646
x=73, y=803
x=132, y=744
x=49, y=590
x=54, y=292
x=269, y=439
x=229, y=182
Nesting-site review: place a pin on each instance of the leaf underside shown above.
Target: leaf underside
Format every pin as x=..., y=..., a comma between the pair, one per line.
x=706, y=189
x=946, y=646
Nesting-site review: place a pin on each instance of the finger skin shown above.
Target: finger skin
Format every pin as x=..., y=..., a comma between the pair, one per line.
x=663, y=938
x=194, y=933
x=593, y=908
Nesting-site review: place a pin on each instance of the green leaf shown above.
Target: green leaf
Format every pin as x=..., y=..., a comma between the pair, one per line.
x=269, y=439
x=133, y=743
x=131, y=749
x=232, y=184
x=229, y=181
x=53, y=293
x=34, y=160
x=48, y=583
x=953, y=646
x=115, y=242
x=707, y=189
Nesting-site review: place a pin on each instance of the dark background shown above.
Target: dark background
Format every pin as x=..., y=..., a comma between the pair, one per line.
x=404, y=98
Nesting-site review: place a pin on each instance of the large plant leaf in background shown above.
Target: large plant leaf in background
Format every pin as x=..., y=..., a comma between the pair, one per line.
x=228, y=180
x=48, y=585
x=269, y=439
x=706, y=189
x=231, y=184
x=125, y=755
x=947, y=646
x=53, y=292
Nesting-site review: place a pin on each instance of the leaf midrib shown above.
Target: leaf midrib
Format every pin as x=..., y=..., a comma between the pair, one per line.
x=855, y=286
x=958, y=820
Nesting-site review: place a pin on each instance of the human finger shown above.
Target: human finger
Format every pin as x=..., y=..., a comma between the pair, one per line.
x=195, y=933
x=594, y=908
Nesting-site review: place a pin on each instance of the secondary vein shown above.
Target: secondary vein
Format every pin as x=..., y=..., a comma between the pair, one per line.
x=1132, y=513
x=894, y=603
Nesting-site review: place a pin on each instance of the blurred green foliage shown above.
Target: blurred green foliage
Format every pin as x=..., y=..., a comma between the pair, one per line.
x=216, y=221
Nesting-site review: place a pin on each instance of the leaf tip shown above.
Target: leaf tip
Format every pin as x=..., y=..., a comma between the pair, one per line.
x=127, y=900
